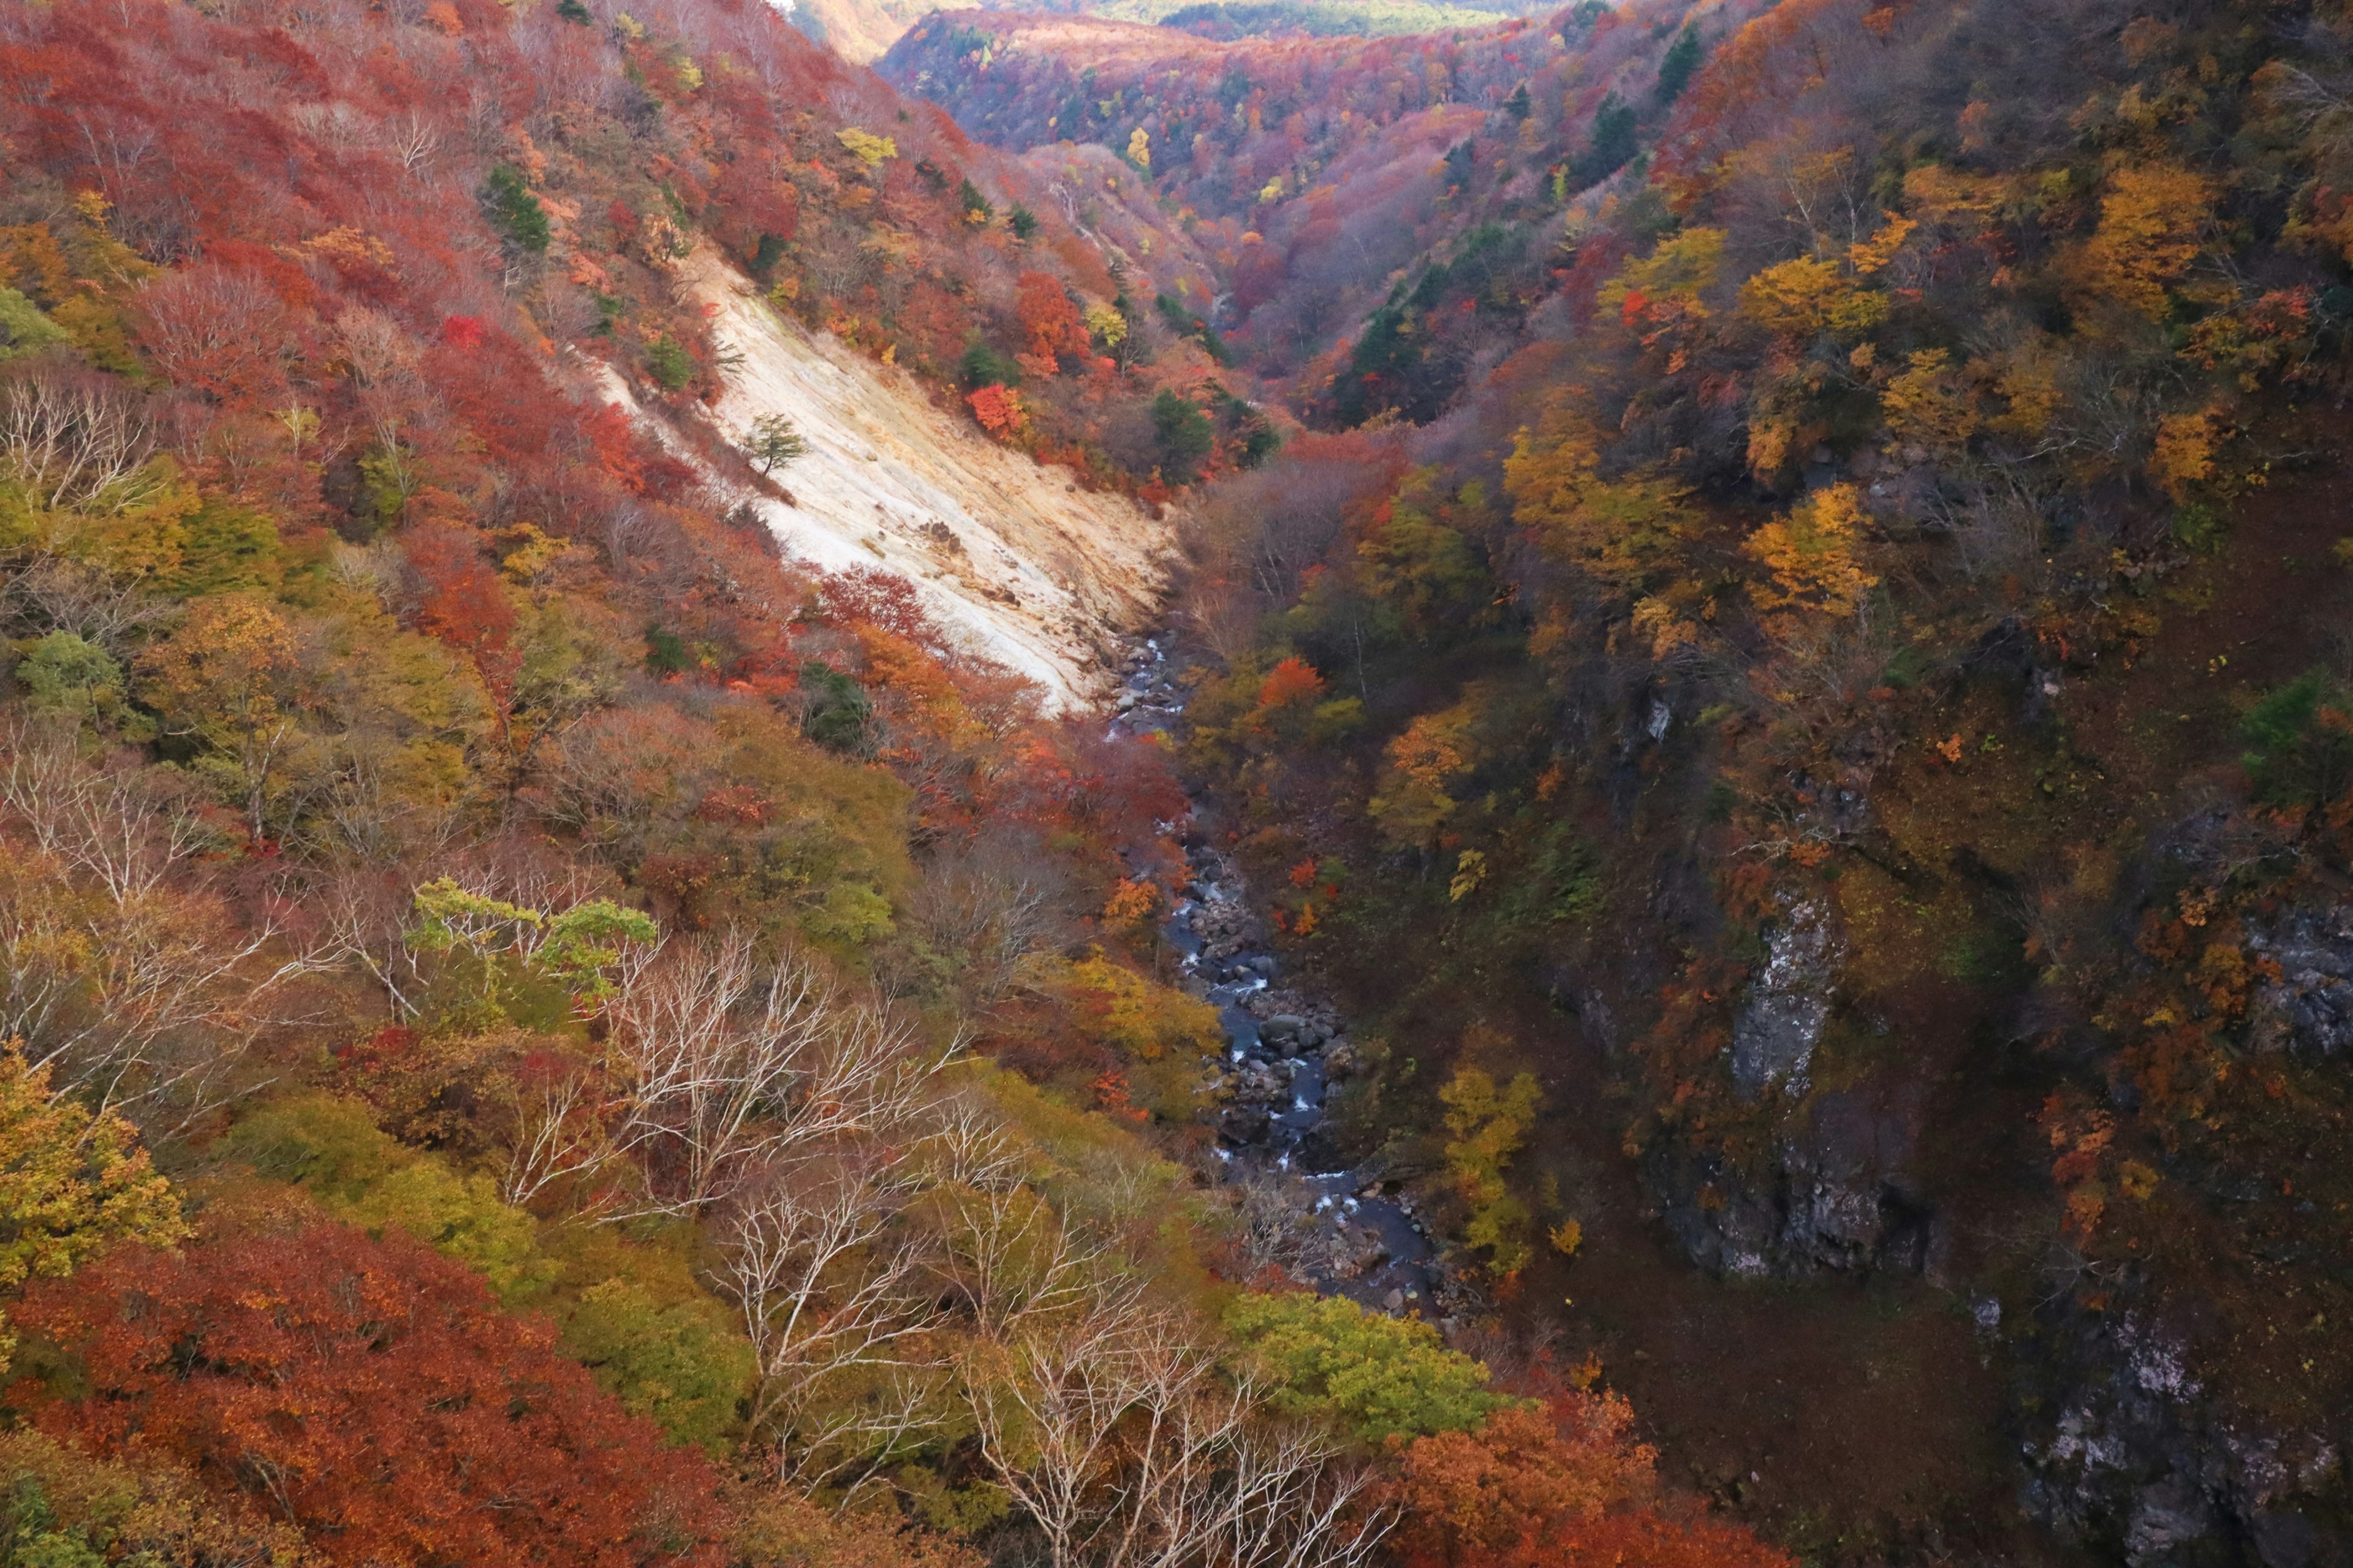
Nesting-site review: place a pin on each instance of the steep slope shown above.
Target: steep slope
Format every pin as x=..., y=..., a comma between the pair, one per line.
x=1823, y=649
x=1014, y=561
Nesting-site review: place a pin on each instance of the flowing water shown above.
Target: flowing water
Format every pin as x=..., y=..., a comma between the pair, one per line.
x=1344, y=1228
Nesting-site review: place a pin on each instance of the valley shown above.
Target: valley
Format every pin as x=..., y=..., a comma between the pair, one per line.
x=1315, y=785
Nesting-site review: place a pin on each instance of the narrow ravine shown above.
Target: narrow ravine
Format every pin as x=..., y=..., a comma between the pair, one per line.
x=1348, y=1230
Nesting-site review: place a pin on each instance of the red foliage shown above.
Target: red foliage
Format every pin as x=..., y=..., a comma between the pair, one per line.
x=372, y=1393
x=463, y=603
x=1293, y=680
x=999, y=412
x=1052, y=322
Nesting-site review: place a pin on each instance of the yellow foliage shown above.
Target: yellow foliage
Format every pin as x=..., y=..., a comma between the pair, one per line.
x=1941, y=195
x=1656, y=619
x=1812, y=556
x=1621, y=530
x=2151, y=221
x=1870, y=256
x=1470, y=871
x=1412, y=800
x=1147, y=1021
x=1108, y=326
x=1485, y=1128
x=1926, y=403
x=2028, y=380
x=71, y=1183
x=1566, y=1237
x=865, y=146
x=1808, y=297
x=1680, y=268
x=2184, y=456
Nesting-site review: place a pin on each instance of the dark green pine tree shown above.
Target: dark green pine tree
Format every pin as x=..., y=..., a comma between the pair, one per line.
x=1675, y=68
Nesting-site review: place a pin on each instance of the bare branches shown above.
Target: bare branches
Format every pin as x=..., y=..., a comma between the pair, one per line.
x=1128, y=1448
x=827, y=1283
x=131, y=980
x=117, y=827
x=79, y=442
x=727, y=1064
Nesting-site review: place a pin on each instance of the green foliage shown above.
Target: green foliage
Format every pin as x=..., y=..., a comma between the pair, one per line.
x=62, y=674
x=1024, y=224
x=680, y=1360
x=584, y=944
x=31, y=1534
x=459, y=1216
x=226, y=548
x=666, y=652
x=387, y=476
x=1562, y=885
x=840, y=716
x=2200, y=528
x=23, y=329
x=1519, y=106
x=1186, y=325
x=668, y=363
x=572, y=949
x=515, y=209
x=1427, y=570
x=1369, y=1376
x=1610, y=146
x=574, y=12
x=331, y=1148
x=985, y=367
x=648, y=1332
x=1183, y=434
x=969, y=197
x=1678, y=64
x=775, y=443
x=2300, y=741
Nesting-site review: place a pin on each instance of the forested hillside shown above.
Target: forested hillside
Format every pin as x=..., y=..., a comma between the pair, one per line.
x=1810, y=624
x=538, y=1028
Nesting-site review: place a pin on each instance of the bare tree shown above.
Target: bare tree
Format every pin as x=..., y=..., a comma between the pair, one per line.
x=727, y=1065
x=118, y=965
x=1126, y=1446
x=830, y=1282
x=80, y=443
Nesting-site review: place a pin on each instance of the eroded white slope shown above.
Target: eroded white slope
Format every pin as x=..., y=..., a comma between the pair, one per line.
x=1014, y=560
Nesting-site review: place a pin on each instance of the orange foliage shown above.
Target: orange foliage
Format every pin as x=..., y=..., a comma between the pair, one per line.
x=1559, y=1485
x=373, y=1393
x=998, y=409
x=1053, y=323
x=1293, y=680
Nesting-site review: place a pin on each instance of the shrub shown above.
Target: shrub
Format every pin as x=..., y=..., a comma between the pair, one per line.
x=515, y=209
x=2300, y=743
x=1373, y=1377
x=668, y=363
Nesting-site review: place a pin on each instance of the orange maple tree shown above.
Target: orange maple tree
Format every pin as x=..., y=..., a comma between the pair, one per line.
x=372, y=1393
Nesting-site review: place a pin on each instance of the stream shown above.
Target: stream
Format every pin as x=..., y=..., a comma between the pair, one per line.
x=1346, y=1230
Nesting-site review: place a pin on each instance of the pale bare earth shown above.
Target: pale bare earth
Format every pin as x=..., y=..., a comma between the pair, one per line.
x=1017, y=563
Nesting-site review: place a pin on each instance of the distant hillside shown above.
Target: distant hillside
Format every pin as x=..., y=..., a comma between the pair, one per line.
x=862, y=30
x=1315, y=173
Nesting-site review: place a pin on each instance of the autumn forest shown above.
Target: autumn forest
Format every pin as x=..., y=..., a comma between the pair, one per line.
x=734, y=740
